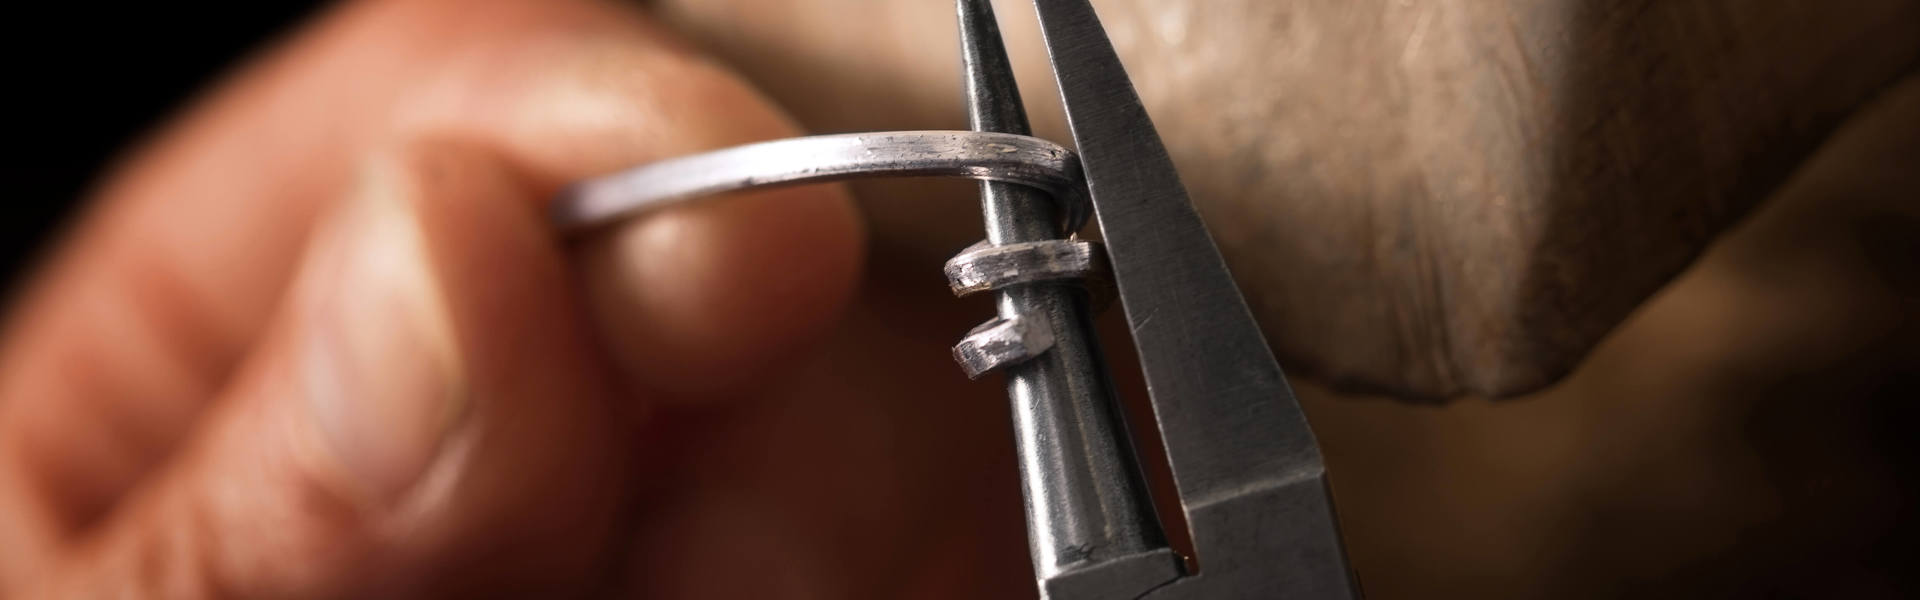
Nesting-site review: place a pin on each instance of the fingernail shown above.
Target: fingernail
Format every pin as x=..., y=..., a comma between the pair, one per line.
x=382, y=373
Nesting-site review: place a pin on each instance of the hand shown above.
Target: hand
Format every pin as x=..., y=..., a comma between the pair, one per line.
x=1432, y=199
x=317, y=340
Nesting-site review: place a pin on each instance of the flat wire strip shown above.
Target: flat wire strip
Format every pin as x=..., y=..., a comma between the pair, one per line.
x=982, y=266
x=1011, y=158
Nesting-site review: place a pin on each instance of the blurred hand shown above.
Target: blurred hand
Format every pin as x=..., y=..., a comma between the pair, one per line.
x=317, y=340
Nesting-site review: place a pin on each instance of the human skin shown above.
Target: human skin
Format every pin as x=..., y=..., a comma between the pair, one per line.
x=1429, y=199
x=160, y=432
x=316, y=339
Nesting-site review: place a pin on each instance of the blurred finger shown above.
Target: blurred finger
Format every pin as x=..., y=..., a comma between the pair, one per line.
x=428, y=401
x=111, y=358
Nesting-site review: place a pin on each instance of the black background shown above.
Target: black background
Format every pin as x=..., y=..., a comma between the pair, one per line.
x=86, y=80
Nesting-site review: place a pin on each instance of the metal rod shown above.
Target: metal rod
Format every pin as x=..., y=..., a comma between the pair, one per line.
x=1086, y=498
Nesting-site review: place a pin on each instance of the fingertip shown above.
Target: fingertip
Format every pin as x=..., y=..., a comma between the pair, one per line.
x=708, y=300
x=699, y=301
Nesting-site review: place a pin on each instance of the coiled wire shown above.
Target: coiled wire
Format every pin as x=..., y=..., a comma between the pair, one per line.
x=1010, y=158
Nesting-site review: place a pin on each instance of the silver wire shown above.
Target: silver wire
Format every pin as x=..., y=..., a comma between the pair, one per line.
x=1019, y=159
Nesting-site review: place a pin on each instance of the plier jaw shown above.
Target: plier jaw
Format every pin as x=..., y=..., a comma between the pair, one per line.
x=1251, y=483
x=1251, y=486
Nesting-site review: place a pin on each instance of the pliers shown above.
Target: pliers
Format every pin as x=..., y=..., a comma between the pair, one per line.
x=1251, y=484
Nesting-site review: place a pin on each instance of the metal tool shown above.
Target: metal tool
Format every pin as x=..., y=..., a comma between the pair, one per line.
x=1252, y=488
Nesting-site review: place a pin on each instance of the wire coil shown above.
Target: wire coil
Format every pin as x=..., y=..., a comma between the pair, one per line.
x=1011, y=158
x=1012, y=340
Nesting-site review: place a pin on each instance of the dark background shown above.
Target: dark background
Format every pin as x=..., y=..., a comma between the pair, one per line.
x=85, y=81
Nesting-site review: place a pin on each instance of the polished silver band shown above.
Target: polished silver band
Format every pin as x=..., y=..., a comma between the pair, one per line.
x=1003, y=341
x=983, y=266
x=1004, y=157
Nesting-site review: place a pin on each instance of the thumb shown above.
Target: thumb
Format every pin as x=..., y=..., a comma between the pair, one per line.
x=427, y=403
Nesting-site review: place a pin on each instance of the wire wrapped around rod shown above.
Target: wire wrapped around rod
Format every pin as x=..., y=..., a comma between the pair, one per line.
x=1011, y=158
x=1012, y=340
x=984, y=266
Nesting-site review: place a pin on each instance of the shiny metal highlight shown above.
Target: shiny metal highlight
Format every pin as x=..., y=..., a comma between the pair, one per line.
x=1001, y=342
x=1019, y=159
x=983, y=267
